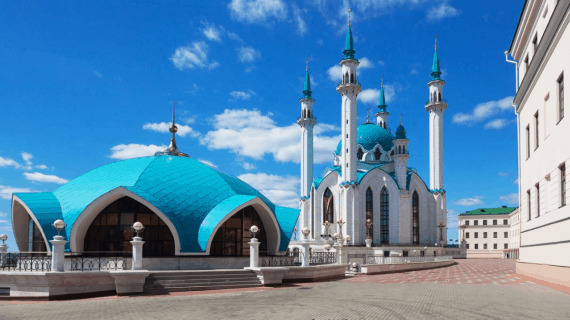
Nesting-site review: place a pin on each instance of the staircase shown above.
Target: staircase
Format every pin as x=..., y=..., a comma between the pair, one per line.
x=162, y=282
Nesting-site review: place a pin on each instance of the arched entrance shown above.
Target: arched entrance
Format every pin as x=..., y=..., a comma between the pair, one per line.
x=111, y=229
x=233, y=236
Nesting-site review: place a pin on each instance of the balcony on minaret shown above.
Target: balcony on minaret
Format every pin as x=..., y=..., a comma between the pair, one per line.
x=306, y=118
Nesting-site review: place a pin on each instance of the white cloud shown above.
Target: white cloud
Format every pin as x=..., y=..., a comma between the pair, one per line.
x=3, y=221
x=27, y=157
x=516, y=181
x=442, y=11
x=511, y=198
x=371, y=96
x=257, y=11
x=6, y=162
x=249, y=166
x=247, y=54
x=300, y=23
x=241, y=95
x=483, y=111
x=6, y=191
x=496, y=124
x=469, y=201
x=211, y=32
x=41, y=167
x=163, y=127
x=97, y=74
x=335, y=72
x=452, y=218
x=206, y=162
x=193, y=56
x=234, y=36
x=250, y=134
x=40, y=177
x=281, y=190
x=249, y=69
x=194, y=89
x=3, y=214
x=133, y=150
x=365, y=63
x=503, y=174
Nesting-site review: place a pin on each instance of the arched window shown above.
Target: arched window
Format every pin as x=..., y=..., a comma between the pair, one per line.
x=377, y=154
x=439, y=96
x=359, y=154
x=328, y=207
x=111, y=230
x=233, y=236
x=36, y=241
x=416, y=218
x=308, y=113
x=369, y=210
x=351, y=78
x=404, y=149
x=346, y=78
x=313, y=211
x=392, y=153
x=384, y=217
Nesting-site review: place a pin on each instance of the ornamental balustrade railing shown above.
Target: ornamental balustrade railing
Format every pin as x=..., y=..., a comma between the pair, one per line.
x=380, y=259
x=321, y=258
x=396, y=245
x=280, y=259
x=99, y=260
x=25, y=261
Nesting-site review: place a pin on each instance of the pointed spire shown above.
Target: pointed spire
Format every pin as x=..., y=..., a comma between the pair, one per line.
x=382, y=100
x=368, y=115
x=348, y=46
x=172, y=148
x=435, y=70
x=307, y=86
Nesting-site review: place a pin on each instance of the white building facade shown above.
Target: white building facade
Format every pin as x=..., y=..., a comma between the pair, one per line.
x=514, y=235
x=541, y=47
x=369, y=178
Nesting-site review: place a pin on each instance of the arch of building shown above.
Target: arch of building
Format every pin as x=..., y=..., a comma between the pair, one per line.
x=21, y=216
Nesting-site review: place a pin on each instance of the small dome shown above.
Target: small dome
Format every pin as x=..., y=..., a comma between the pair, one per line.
x=369, y=135
x=400, y=132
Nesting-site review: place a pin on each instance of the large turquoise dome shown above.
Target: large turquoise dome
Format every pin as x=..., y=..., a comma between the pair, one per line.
x=369, y=135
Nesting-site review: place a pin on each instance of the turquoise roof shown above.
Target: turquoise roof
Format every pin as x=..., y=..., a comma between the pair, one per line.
x=369, y=135
x=194, y=196
x=348, y=47
x=435, y=71
x=307, y=86
x=382, y=101
x=400, y=132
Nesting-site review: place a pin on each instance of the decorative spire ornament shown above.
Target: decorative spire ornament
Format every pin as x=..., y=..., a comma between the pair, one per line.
x=172, y=149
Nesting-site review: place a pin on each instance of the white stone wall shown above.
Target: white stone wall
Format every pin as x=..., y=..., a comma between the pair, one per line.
x=514, y=229
x=307, y=146
x=349, y=124
x=500, y=228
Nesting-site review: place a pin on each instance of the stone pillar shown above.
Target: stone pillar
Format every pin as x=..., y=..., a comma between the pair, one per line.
x=58, y=254
x=254, y=253
x=305, y=262
x=137, y=253
x=3, y=251
x=342, y=257
x=368, y=243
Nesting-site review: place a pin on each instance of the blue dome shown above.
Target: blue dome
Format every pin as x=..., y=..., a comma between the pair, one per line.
x=193, y=196
x=400, y=132
x=369, y=135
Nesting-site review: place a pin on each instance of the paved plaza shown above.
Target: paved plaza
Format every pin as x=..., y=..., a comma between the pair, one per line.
x=471, y=289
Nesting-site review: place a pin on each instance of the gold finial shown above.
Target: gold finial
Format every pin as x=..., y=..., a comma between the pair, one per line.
x=368, y=114
x=307, y=65
x=349, y=11
x=436, y=42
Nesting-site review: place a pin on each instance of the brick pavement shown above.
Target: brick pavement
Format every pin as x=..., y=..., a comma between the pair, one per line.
x=366, y=297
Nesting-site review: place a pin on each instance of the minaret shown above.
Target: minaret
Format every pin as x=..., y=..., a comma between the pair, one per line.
x=172, y=149
x=436, y=106
x=401, y=156
x=382, y=114
x=349, y=89
x=307, y=121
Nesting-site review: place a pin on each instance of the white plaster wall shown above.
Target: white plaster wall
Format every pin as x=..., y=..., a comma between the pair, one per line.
x=500, y=228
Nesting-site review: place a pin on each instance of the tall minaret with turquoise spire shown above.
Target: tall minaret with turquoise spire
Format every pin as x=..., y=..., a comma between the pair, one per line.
x=436, y=106
x=307, y=122
x=382, y=114
x=349, y=88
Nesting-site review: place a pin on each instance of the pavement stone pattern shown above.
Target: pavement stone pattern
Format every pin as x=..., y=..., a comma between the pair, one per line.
x=388, y=296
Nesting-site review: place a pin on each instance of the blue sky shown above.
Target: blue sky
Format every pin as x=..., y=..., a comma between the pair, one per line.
x=85, y=84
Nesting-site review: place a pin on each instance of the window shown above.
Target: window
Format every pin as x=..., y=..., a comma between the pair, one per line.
x=328, y=206
x=384, y=217
x=494, y=222
x=494, y=234
x=476, y=222
x=405, y=253
x=416, y=218
x=505, y=222
x=506, y=246
x=359, y=154
x=526, y=63
x=485, y=235
x=232, y=238
x=422, y=253
x=467, y=223
x=484, y=222
x=36, y=241
x=485, y=246
x=494, y=246
x=476, y=235
x=476, y=246
x=467, y=235
x=536, y=130
x=506, y=234
x=467, y=246
x=527, y=142
x=563, y=185
x=537, y=186
x=561, y=97
x=528, y=204
x=377, y=154
x=534, y=44
x=369, y=210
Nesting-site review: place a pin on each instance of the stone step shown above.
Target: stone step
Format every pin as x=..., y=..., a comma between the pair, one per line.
x=199, y=284
x=169, y=281
x=201, y=272
x=201, y=288
x=201, y=277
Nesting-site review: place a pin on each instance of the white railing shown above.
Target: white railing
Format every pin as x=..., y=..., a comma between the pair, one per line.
x=378, y=259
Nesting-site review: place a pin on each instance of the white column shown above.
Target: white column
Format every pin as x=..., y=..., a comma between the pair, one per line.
x=305, y=262
x=3, y=251
x=137, y=253
x=254, y=253
x=58, y=254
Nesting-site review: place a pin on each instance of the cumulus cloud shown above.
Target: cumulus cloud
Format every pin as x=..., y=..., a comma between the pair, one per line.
x=249, y=133
x=511, y=198
x=6, y=191
x=193, y=56
x=211, y=32
x=241, y=95
x=7, y=162
x=206, y=162
x=371, y=96
x=249, y=166
x=443, y=10
x=133, y=150
x=164, y=127
x=335, y=72
x=40, y=177
x=27, y=157
x=452, y=218
x=483, y=111
x=281, y=190
x=516, y=181
x=301, y=25
x=475, y=201
x=257, y=11
x=41, y=167
x=496, y=124
x=247, y=54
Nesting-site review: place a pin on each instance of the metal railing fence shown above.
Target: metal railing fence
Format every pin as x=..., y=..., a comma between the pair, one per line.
x=25, y=261
x=280, y=259
x=99, y=260
x=321, y=258
x=380, y=259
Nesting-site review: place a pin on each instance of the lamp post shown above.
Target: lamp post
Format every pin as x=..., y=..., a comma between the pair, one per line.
x=58, y=247
x=3, y=248
x=295, y=233
x=340, y=224
x=305, y=231
x=441, y=226
x=347, y=240
x=327, y=225
x=368, y=240
x=254, y=247
x=137, y=243
x=463, y=242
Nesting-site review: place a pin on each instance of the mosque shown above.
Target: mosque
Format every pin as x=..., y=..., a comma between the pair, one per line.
x=370, y=181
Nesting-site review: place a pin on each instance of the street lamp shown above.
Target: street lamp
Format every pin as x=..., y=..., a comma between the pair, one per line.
x=441, y=226
x=348, y=238
x=295, y=233
x=254, y=230
x=137, y=227
x=3, y=237
x=340, y=224
x=327, y=225
x=328, y=247
x=306, y=231
x=59, y=225
x=368, y=226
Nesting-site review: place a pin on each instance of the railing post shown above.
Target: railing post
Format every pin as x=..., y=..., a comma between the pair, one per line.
x=137, y=253
x=305, y=262
x=58, y=253
x=254, y=253
x=3, y=253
